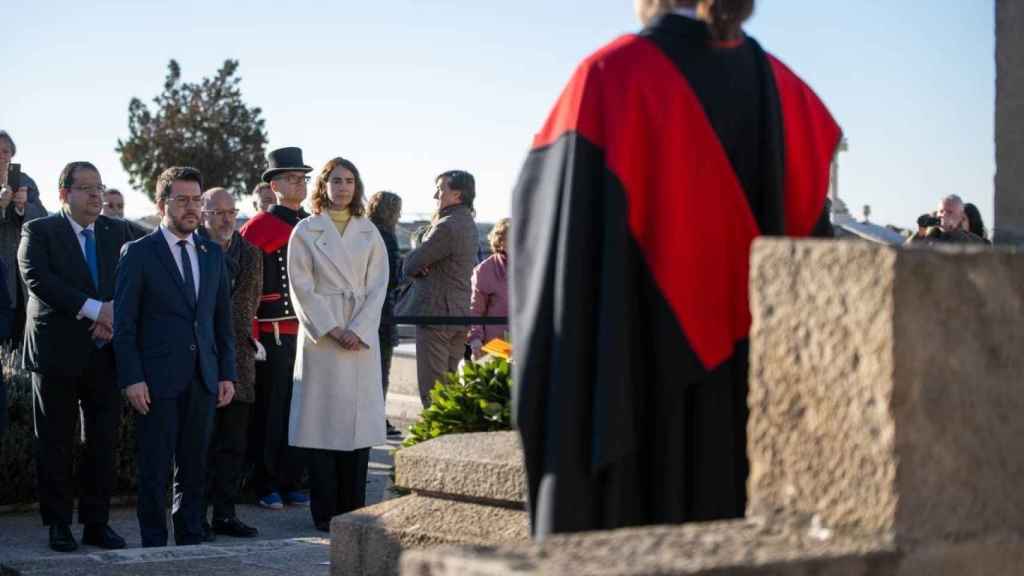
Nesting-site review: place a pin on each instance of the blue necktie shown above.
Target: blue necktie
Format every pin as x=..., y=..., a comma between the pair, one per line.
x=186, y=266
x=90, y=257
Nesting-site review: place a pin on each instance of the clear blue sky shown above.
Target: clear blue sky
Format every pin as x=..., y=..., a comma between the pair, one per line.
x=408, y=89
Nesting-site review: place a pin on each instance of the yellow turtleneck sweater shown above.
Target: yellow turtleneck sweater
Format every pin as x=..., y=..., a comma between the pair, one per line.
x=340, y=219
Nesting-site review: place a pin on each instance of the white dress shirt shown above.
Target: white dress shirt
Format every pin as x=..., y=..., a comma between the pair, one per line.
x=172, y=243
x=91, y=308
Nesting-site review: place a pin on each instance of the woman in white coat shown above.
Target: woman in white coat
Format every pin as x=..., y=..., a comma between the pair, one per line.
x=338, y=271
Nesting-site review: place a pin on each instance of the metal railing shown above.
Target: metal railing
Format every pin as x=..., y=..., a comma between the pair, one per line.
x=446, y=320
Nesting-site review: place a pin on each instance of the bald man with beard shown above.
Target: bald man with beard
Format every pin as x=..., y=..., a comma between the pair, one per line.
x=231, y=423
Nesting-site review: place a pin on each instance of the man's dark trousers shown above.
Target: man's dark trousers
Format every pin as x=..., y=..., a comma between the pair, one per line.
x=170, y=432
x=55, y=405
x=227, y=458
x=279, y=466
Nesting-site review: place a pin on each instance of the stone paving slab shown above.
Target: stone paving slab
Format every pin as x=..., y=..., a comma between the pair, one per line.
x=288, y=543
x=274, y=557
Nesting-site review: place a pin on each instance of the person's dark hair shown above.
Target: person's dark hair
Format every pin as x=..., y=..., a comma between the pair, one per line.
x=67, y=175
x=463, y=182
x=173, y=174
x=385, y=207
x=727, y=17
x=975, y=224
x=4, y=135
x=256, y=189
x=113, y=191
x=321, y=197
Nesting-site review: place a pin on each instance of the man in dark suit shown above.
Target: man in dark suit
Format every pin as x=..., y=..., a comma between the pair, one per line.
x=176, y=354
x=67, y=261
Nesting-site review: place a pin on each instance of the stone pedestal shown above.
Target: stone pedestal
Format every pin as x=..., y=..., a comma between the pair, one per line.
x=467, y=489
x=884, y=434
x=886, y=388
x=1009, y=199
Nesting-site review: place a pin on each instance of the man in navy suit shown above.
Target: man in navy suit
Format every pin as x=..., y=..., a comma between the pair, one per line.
x=67, y=261
x=176, y=354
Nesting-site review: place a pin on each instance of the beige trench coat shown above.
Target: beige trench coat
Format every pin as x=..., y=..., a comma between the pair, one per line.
x=337, y=401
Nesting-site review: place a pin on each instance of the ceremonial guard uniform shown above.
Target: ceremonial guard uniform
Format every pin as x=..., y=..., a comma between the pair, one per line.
x=278, y=466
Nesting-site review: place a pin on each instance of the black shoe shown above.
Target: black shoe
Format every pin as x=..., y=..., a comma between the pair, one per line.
x=208, y=535
x=392, y=431
x=103, y=536
x=234, y=527
x=324, y=526
x=61, y=539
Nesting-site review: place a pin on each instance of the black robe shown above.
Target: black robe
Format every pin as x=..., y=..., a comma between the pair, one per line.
x=665, y=156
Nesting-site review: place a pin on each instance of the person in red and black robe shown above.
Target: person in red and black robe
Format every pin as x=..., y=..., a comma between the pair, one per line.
x=668, y=152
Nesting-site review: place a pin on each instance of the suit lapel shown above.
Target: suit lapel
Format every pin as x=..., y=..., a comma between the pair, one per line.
x=163, y=253
x=69, y=239
x=332, y=246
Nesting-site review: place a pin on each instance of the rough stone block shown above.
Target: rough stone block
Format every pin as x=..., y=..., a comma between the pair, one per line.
x=485, y=466
x=993, y=555
x=369, y=541
x=885, y=388
x=736, y=548
x=1009, y=128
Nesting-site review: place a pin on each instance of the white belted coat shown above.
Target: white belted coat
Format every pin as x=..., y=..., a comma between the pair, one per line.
x=337, y=281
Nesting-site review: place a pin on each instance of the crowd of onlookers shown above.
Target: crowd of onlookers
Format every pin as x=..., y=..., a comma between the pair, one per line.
x=954, y=221
x=257, y=354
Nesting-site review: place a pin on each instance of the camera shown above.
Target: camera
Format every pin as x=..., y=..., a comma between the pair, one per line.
x=927, y=221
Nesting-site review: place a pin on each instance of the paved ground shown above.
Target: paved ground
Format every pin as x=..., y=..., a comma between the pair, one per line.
x=288, y=543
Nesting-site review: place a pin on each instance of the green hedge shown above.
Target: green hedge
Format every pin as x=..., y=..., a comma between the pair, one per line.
x=17, y=462
x=476, y=399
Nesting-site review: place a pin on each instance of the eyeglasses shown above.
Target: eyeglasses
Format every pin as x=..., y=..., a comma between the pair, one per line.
x=184, y=201
x=296, y=179
x=220, y=213
x=90, y=190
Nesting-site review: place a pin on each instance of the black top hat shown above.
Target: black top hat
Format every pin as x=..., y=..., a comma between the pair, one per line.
x=284, y=160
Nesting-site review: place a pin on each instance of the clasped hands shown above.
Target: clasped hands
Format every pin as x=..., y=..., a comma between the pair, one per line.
x=103, y=328
x=347, y=339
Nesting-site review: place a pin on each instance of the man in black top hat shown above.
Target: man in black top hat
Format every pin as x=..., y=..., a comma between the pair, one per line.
x=278, y=465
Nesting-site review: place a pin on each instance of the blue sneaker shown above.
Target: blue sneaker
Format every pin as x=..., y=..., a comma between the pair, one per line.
x=296, y=498
x=271, y=501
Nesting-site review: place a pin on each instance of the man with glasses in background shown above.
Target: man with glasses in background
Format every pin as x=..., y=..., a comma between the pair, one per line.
x=68, y=262
x=278, y=466
x=231, y=423
x=262, y=197
x=113, y=207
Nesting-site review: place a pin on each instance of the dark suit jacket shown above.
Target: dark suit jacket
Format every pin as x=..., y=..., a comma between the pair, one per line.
x=58, y=282
x=158, y=335
x=5, y=331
